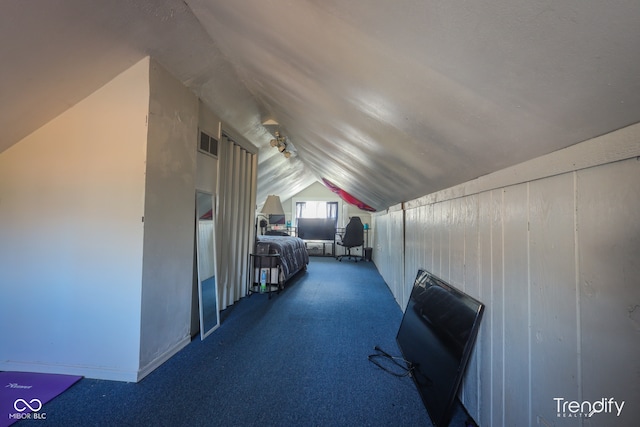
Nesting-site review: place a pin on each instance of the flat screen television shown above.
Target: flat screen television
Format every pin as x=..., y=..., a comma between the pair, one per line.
x=316, y=228
x=277, y=219
x=436, y=337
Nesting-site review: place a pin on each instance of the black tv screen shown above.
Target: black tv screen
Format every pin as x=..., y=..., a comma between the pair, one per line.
x=436, y=337
x=317, y=228
x=276, y=219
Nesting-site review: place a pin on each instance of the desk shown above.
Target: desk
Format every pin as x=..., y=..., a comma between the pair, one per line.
x=269, y=264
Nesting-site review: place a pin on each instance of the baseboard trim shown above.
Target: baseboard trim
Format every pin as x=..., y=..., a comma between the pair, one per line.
x=94, y=372
x=85, y=371
x=154, y=364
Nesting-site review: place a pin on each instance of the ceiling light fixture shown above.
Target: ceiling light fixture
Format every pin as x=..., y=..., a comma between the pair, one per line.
x=280, y=142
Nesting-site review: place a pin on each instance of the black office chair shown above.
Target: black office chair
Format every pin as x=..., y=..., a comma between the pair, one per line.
x=353, y=237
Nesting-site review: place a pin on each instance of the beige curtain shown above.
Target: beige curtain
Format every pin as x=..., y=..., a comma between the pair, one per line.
x=234, y=222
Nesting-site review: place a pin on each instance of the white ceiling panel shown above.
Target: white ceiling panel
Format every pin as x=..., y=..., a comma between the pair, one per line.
x=389, y=100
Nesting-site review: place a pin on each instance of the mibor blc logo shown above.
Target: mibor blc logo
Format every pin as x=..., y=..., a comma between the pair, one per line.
x=586, y=409
x=33, y=405
x=22, y=405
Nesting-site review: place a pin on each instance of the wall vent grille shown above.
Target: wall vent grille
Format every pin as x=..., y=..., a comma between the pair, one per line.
x=208, y=144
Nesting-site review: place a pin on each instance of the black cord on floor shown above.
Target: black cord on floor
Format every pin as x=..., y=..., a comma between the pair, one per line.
x=405, y=367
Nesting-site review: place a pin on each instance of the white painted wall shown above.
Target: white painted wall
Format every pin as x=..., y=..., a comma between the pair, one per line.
x=551, y=246
x=207, y=165
x=71, y=207
x=167, y=275
x=315, y=192
x=97, y=230
x=389, y=249
x=319, y=192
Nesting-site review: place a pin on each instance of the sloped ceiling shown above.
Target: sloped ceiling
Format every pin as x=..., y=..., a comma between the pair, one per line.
x=389, y=100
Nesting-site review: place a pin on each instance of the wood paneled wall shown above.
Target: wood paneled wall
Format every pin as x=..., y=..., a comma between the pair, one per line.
x=556, y=260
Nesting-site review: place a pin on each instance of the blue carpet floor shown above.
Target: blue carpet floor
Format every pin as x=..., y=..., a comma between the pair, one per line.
x=299, y=359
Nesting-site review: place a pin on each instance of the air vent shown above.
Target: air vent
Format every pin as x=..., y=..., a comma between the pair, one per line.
x=208, y=144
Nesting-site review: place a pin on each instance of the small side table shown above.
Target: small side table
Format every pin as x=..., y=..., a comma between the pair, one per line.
x=270, y=264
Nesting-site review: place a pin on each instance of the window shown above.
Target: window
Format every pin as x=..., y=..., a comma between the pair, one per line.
x=317, y=209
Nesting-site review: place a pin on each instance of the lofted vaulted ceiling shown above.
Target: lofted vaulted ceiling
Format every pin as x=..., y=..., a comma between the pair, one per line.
x=390, y=100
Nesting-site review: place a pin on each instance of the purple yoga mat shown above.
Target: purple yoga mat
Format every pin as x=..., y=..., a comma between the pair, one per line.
x=23, y=394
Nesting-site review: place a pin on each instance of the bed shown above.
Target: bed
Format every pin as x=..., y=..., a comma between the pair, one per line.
x=293, y=257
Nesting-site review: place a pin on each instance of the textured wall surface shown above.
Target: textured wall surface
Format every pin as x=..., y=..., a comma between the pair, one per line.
x=168, y=218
